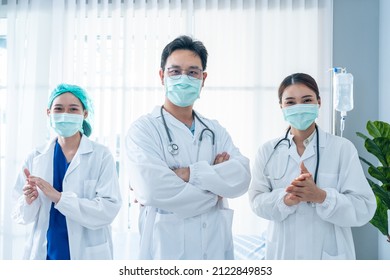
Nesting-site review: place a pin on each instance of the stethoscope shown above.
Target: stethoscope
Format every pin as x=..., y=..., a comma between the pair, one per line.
x=285, y=138
x=173, y=148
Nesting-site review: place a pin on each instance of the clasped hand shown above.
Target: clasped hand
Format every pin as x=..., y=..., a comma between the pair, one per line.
x=303, y=189
x=30, y=190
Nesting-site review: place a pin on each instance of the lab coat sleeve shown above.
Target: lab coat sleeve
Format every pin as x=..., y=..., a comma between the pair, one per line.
x=265, y=201
x=22, y=212
x=352, y=202
x=228, y=179
x=153, y=182
x=103, y=208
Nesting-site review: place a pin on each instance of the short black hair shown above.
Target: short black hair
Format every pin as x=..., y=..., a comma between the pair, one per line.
x=185, y=43
x=298, y=78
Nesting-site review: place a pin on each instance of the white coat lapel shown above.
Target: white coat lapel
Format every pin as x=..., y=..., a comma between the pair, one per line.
x=84, y=148
x=43, y=164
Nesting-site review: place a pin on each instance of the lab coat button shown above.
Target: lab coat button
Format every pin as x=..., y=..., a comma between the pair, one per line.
x=204, y=225
x=205, y=256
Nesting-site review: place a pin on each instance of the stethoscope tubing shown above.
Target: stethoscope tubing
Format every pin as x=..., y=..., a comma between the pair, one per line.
x=174, y=148
x=285, y=138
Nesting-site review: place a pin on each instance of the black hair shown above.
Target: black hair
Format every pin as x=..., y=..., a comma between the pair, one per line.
x=185, y=43
x=298, y=78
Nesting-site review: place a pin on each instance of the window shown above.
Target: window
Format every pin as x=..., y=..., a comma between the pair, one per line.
x=112, y=48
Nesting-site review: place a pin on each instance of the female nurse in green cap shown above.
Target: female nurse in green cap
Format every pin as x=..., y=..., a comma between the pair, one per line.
x=68, y=189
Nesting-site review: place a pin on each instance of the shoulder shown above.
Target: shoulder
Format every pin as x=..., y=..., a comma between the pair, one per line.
x=211, y=123
x=145, y=122
x=339, y=144
x=99, y=150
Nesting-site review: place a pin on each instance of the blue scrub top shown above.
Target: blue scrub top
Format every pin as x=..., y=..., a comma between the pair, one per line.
x=57, y=233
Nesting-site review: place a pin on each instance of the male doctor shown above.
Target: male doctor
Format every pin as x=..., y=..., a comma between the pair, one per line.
x=183, y=166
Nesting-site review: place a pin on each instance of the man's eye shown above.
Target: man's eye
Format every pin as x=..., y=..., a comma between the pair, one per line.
x=174, y=72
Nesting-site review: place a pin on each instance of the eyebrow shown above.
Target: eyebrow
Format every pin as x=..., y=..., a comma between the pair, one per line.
x=305, y=96
x=177, y=66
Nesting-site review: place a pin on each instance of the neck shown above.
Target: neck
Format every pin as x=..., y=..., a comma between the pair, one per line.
x=70, y=143
x=301, y=135
x=183, y=114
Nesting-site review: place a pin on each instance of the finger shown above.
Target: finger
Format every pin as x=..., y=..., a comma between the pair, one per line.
x=303, y=168
x=26, y=173
x=295, y=190
x=303, y=177
x=217, y=159
x=298, y=183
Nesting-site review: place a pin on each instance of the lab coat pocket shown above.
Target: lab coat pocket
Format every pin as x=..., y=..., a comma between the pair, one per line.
x=98, y=252
x=335, y=245
x=168, y=237
x=89, y=189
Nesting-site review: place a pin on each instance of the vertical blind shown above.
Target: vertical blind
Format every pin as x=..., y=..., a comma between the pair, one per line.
x=112, y=48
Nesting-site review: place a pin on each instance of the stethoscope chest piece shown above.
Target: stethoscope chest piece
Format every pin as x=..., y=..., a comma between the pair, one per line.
x=173, y=149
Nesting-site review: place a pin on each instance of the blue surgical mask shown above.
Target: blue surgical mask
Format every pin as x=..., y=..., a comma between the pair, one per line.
x=66, y=125
x=301, y=116
x=184, y=91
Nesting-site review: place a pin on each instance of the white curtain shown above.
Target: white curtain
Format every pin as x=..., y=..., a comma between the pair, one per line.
x=112, y=48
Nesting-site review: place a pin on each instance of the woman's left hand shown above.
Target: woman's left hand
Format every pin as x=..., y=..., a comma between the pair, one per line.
x=304, y=187
x=46, y=188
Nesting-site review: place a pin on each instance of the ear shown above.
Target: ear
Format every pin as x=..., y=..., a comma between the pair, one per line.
x=204, y=78
x=319, y=101
x=48, y=112
x=161, y=73
x=85, y=114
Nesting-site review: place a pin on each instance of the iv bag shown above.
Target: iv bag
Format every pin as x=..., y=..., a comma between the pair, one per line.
x=343, y=91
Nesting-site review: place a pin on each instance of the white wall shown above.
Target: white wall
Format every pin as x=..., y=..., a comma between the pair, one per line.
x=355, y=46
x=384, y=90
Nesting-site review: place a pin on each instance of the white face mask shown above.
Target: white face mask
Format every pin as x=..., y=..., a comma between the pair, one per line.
x=66, y=125
x=301, y=116
x=184, y=91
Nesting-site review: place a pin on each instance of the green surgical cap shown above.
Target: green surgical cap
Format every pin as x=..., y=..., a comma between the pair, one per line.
x=82, y=95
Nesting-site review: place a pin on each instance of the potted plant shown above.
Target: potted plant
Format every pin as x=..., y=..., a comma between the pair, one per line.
x=379, y=146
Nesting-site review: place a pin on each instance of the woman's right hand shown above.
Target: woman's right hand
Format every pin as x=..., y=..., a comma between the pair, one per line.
x=30, y=189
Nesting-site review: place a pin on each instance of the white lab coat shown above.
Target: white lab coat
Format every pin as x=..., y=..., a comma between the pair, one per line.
x=318, y=231
x=90, y=201
x=182, y=220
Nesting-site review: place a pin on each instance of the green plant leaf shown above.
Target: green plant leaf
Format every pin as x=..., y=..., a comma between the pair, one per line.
x=385, y=170
x=374, y=149
x=374, y=172
x=379, y=146
x=383, y=128
x=373, y=130
x=380, y=173
x=384, y=145
x=380, y=193
x=380, y=218
x=365, y=161
x=361, y=135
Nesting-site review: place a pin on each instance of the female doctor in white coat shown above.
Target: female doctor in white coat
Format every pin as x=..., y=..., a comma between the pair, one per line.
x=309, y=184
x=183, y=166
x=69, y=188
